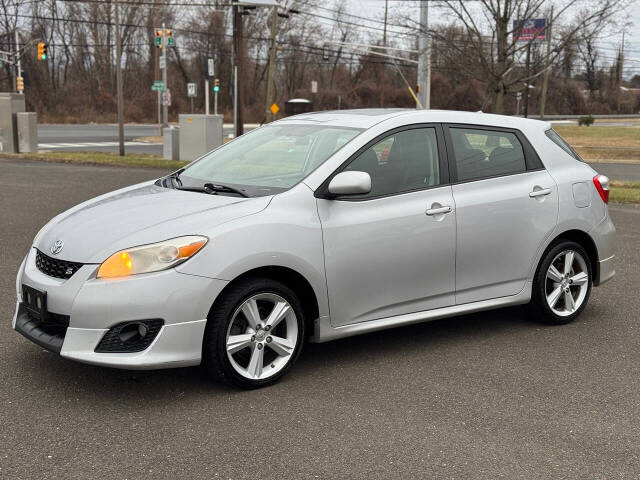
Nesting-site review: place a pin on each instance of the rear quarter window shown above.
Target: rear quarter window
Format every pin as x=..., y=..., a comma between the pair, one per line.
x=559, y=141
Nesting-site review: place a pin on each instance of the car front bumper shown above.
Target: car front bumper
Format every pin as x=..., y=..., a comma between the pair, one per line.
x=93, y=306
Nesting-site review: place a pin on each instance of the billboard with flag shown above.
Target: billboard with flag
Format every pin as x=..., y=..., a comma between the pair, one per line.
x=531, y=29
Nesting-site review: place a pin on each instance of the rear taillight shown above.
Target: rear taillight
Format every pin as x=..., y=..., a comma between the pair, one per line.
x=602, y=186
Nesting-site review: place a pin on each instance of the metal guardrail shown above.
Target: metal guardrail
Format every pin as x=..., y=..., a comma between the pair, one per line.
x=575, y=117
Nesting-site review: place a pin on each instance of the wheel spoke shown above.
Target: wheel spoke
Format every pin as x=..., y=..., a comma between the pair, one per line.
x=553, y=297
x=568, y=262
x=569, y=304
x=235, y=343
x=280, y=310
x=554, y=274
x=579, y=278
x=254, y=369
x=281, y=346
x=251, y=313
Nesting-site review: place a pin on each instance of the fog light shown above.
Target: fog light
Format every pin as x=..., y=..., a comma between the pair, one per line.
x=133, y=332
x=130, y=336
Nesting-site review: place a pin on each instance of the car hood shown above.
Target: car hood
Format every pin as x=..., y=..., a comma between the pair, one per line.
x=138, y=215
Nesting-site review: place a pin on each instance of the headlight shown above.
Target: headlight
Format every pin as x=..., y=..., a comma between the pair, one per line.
x=151, y=258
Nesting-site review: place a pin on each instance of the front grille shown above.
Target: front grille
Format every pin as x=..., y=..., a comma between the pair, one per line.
x=54, y=267
x=125, y=337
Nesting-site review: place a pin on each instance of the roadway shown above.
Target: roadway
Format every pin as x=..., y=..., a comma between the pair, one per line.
x=479, y=396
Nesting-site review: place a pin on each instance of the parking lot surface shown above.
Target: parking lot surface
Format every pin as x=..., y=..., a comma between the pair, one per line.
x=479, y=396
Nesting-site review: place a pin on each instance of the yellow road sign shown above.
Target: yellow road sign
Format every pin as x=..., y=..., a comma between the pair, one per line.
x=274, y=108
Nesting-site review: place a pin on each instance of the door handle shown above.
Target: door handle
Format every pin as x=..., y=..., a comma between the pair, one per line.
x=439, y=210
x=539, y=193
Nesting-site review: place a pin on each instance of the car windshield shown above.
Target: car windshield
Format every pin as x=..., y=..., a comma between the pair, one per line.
x=270, y=159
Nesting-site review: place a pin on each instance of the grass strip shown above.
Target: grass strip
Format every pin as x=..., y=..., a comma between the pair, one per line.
x=624, y=192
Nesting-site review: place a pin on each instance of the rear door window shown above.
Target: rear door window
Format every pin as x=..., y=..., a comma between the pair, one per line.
x=481, y=153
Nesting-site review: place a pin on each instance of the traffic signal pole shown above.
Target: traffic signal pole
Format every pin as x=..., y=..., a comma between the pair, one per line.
x=238, y=72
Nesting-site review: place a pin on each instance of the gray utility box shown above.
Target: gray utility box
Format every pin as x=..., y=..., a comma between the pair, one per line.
x=10, y=104
x=199, y=134
x=27, y=132
x=171, y=143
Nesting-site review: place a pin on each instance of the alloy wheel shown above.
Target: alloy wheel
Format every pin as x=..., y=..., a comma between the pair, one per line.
x=567, y=283
x=262, y=336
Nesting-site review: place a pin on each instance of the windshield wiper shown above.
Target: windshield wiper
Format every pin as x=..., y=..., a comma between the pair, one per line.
x=214, y=187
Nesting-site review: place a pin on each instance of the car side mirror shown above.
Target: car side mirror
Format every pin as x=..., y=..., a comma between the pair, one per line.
x=350, y=183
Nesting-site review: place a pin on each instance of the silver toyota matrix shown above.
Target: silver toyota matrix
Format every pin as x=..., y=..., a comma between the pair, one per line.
x=318, y=227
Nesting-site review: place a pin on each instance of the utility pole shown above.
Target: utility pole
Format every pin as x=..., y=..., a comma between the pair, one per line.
x=620, y=63
x=526, y=86
x=119, y=81
x=165, y=108
x=272, y=65
x=238, y=72
x=547, y=67
x=424, y=59
x=384, y=46
x=18, y=63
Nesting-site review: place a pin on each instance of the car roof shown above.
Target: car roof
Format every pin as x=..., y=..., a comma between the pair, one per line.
x=368, y=117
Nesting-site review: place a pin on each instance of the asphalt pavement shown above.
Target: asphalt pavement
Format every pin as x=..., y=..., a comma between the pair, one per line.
x=478, y=396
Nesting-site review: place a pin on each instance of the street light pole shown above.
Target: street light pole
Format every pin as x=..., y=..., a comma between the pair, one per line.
x=119, y=81
x=545, y=78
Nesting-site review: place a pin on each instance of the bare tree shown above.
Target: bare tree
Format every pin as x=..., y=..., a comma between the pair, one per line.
x=493, y=33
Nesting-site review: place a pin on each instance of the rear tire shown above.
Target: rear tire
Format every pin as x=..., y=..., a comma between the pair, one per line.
x=254, y=333
x=562, y=284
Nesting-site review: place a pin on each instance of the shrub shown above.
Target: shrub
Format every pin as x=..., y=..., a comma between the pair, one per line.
x=586, y=120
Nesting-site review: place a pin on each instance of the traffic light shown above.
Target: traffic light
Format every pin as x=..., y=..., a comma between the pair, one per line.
x=20, y=84
x=170, y=40
x=216, y=85
x=42, y=51
x=158, y=38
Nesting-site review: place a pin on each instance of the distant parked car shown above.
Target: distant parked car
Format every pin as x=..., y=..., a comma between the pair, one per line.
x=319, y=227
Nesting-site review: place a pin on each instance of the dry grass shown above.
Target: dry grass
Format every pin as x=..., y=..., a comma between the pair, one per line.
x=609, y=155
x=603, y=144
x=600, y=136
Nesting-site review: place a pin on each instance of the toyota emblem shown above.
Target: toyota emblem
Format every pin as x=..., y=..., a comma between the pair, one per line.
x=56, y=248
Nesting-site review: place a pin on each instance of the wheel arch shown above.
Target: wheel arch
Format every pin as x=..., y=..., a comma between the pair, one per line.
x=292, y=279
x=583, y=239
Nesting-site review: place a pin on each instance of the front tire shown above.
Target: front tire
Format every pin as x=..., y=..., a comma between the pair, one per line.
x=562, y=284
x=254, y=333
